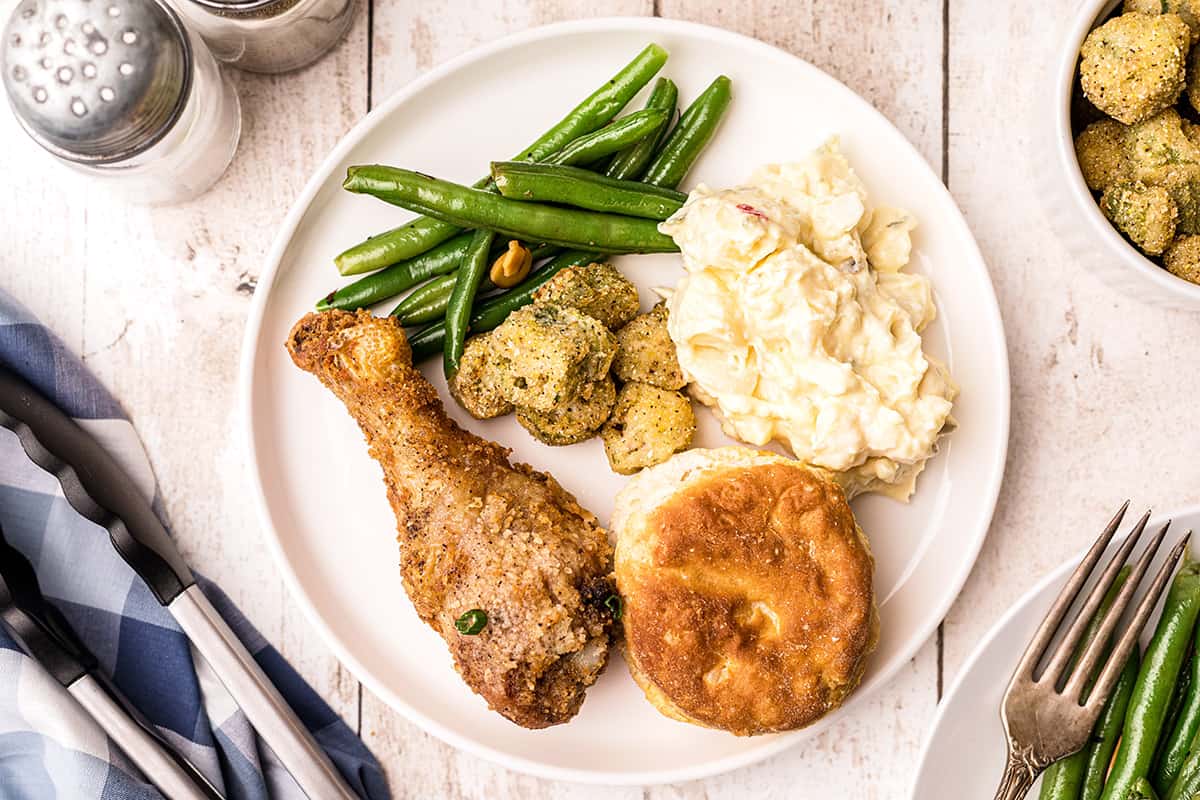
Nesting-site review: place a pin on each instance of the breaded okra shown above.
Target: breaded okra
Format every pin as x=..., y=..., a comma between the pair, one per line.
x=1134, y=65
x=1100, y=150
x=575, y=420
x=1146, y=214
x=598, y=290
x=646, y=353
x=648, y=426
x=1182, y=258
x=548, y=353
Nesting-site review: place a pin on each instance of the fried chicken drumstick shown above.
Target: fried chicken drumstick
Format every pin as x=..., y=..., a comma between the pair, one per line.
x=475, y=531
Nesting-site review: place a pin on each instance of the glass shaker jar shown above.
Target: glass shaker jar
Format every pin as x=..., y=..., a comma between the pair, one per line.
x=120, y=90
x=269, y=35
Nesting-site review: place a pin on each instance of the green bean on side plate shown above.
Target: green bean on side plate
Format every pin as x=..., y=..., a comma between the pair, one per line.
x=1063, y=779
x=1107, y=732
x=472, y=208
x=419, y=235
x=631, y=162
x=1173, y=750
x=1141, y=790
x=545, y=183
x=458, y=310
x=1155, y=683
x=696, y=127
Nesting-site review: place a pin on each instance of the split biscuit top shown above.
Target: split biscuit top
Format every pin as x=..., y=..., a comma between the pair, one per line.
x=747, y=587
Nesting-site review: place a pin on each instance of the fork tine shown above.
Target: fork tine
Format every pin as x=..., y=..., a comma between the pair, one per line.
x=1065, y=651
x=1045, y=633
x=1124, y=647
x=1097, y=647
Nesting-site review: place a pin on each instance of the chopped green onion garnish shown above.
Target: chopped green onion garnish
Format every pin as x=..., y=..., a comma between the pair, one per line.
x=613, y=603
x=471, y=622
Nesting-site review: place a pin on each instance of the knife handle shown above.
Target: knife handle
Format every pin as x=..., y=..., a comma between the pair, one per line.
x=144, y=750
x=94, y=484
x=252, y=690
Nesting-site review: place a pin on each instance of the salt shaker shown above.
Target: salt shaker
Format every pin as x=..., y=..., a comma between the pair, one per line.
x=269, y=35
x=120, y=90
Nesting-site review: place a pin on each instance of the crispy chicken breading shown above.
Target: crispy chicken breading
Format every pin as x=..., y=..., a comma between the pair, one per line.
x=475, y=531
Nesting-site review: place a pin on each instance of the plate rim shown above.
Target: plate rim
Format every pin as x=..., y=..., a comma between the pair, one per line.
x=252, y=336
x=1019, y=606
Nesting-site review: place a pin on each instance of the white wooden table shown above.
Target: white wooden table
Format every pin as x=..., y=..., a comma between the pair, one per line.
x=1104, y=389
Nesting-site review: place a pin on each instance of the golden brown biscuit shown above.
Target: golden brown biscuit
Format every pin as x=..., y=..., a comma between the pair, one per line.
x=747, y=587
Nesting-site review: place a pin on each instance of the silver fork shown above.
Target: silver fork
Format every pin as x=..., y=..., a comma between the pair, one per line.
x=1049, y=715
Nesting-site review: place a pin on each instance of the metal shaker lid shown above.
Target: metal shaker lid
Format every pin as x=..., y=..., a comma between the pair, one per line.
x=96, y=81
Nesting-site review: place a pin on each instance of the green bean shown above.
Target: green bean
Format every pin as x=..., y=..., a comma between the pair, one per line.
x=409, y=241
x=495, y=310
x=610, y=139
x=471, y=208
x=1063, y=779
x=696, y=126
x=1187, y=783
x=1142, y=790
x=393, y=280
x=429, y=302
x=630, y=163
x=584, y=189
x=458, y=310
x=1152, y=693
x=1175, y=746
x=601, y=106
x=1107, y=732
x=418, y=235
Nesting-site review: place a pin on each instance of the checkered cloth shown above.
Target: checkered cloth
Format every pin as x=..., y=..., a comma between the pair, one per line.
x=49, y=746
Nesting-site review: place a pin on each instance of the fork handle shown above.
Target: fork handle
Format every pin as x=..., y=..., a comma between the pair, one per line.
x=1020, y=772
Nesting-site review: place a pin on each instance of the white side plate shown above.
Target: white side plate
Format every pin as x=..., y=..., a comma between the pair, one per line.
x=964, y=753
x=321, y=497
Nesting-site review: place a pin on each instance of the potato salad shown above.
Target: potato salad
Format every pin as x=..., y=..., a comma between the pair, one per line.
x=795, y=322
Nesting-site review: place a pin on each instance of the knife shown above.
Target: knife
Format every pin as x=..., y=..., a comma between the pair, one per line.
x=100, y=490
x=46, y=635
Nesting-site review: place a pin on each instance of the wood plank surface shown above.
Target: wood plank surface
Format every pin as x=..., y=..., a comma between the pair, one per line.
x=156, y=301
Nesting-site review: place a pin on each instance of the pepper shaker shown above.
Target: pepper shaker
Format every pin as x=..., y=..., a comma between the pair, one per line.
x=269, y=35
x=120, y=90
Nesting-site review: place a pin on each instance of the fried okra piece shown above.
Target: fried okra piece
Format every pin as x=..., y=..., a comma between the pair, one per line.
x=1134, y=65
x=476, y=387
x=1192, y=89
x=645, y=352
x=548, y=353
x=648, y=426
x=1182, y=258
x=574, y=421
x=1100, y=150
x=1187, y=10
x=1146, y=214
x=1162, y=152
x=597, y=290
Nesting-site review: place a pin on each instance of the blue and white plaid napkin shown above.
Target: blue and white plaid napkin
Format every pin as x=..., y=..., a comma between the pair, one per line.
x=50, y=747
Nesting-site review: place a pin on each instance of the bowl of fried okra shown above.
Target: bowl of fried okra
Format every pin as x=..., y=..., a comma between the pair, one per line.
x=578, y=362
x=1127, y=135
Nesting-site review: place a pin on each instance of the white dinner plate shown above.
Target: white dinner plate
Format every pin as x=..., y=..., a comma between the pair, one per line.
x=963, y=756
x=321, y=497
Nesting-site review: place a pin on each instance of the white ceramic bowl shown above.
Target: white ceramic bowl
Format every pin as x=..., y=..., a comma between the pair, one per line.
x=1070, y=205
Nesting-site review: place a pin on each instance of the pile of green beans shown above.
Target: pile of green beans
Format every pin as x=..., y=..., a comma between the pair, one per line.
x=414, y=238
x=592, y=186
x=1152, y=719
